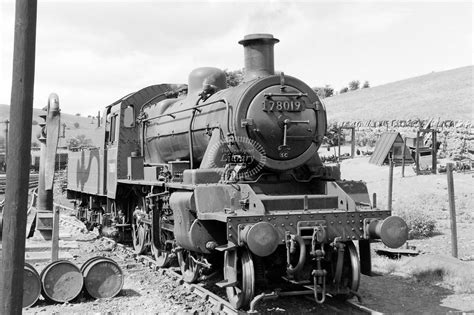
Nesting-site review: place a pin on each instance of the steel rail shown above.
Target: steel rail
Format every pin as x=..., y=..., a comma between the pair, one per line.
x=33, y=183
x=219, y=303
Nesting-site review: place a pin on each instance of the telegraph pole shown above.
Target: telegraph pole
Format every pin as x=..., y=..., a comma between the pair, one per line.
x=19, y=156
x=6, y=142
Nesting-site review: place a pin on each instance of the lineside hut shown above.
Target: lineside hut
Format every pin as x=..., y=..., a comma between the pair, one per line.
x=390, y=142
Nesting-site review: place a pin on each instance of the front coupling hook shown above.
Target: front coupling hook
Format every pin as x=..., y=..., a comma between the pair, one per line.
x=319, y=279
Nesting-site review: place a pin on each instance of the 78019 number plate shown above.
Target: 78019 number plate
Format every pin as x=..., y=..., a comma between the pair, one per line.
x=286, y=105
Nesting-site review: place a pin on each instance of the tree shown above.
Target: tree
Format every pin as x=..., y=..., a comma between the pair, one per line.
x=79, y=141
x=234, y=78
x=78, y=114
x=366, y=85
x=328, y=91
x=344, y=90
x=323, y=92
x=354, y=85
x=76, y=125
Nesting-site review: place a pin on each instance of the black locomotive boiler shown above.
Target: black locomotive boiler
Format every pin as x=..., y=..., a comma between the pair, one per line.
x=230, y=177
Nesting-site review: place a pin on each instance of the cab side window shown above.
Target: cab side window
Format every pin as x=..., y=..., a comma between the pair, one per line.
x=129, y=117
x=112, y=129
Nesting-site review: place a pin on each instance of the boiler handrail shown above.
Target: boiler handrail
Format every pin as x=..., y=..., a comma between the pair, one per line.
x=194, y=108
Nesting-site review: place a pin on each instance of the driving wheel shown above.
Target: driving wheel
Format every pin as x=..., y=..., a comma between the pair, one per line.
x=158, y=249
x=160, y=252
x=138, y=237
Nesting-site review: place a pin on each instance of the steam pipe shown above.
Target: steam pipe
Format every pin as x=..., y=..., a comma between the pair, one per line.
x=190, y=139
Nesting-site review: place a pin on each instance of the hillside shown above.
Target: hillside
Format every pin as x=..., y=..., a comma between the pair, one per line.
x=75, y=125
x=446, y=95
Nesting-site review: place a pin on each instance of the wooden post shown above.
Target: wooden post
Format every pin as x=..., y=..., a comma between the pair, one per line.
x=417, y=153
x=403, y=156
x=353, y=142
x=452, y=210
x=434, y=151
x=55, y=238
x=339, y=143
x=19, y=157
x=390, y=182
x=6, y=142
x=374, y=200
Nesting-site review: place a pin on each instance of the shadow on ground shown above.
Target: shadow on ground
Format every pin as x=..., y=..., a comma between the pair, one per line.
x=392, y=294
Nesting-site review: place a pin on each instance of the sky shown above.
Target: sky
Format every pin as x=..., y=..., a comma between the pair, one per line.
x=91, y=53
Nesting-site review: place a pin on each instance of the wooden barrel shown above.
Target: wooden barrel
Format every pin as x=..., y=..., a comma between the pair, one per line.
x=62, y=281
x=103, y=277
x=31, y=285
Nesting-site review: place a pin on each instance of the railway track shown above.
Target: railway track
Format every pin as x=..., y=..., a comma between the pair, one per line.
x=33, y=182
x=223, y=306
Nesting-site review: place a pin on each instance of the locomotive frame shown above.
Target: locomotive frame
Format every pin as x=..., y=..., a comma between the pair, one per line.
x=229, y=178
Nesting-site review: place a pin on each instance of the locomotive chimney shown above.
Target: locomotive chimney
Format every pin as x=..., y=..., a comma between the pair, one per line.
x=258, y=54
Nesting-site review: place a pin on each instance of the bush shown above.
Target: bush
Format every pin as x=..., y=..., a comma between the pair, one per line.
x=234, y=78
x=420, y=223
x=354, y=85
x=80, y=141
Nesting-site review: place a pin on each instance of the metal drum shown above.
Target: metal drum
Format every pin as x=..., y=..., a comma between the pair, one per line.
x=31, y=285
x=103, y=277
x=62, y=281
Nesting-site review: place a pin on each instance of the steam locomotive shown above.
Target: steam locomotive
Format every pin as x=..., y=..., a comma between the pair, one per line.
x=230, y=177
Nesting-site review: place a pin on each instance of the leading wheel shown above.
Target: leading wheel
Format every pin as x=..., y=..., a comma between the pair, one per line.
x=189, y=268
x=350, y=273
x=239, y=269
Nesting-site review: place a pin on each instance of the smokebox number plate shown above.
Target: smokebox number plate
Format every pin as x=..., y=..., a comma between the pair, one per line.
x=286, y=105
